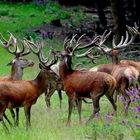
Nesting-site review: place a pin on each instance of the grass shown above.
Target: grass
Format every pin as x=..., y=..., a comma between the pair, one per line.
x=16, y=20
x=51, y=125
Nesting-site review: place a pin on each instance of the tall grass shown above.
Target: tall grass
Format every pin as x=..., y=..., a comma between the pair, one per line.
x=51, y=125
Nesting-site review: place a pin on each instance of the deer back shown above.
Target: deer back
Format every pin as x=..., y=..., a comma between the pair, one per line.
x=132, y=63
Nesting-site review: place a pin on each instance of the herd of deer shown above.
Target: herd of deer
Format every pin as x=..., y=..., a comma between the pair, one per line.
x=103, y=79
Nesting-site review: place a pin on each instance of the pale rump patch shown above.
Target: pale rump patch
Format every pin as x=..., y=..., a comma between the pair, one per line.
x=128, y=72
x=135, y=72
x=94, y=69
x=131, y=72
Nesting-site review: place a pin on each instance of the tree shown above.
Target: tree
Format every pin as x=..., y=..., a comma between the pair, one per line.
x=119, y=18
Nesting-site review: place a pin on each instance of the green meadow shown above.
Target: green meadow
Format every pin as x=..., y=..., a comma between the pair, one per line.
x=18, y=18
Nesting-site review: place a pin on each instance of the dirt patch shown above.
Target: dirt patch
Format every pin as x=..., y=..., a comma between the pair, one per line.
x=50, y=30
x=86, y=26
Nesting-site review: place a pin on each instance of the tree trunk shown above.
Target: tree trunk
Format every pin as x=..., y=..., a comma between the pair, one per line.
x=130, y=12
x=101, y=14
x=137, y=3
x=119, y=18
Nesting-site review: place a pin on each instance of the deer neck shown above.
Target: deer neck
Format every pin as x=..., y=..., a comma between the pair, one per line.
x=16, y=73
x=65, y=68
x=40, y=81
x=115, y=58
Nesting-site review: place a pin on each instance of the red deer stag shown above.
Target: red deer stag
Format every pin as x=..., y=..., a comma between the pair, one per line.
x=83, y=84
x=56, y=85
x=24, y=93
x=133, y=63
x=53, y=85
x=17, y=65
x=121, y=72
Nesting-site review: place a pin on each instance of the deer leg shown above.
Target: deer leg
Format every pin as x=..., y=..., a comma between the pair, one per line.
x=27, y=110
x=70, y=103
x=110, y=98
x=75, y=105
x=17, y=117
x=2, y=110
x=128, y=101
x=47, y=99
x=4, y=115
x=79, y=105
x=115, y=95
x=126, y=97
x=60, y=98
x=48, y=95
x=96, y=108
x=2, y=122
x=12, y=114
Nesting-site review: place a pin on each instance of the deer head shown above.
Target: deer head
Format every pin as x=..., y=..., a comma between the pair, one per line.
x=44, y=62
x=18, y=63
x=21, y=62
x=124, y=42
x=71, y=46
x=12, y=42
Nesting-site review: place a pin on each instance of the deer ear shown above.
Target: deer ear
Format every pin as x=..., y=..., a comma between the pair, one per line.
x=40, y=66
x=9, y=64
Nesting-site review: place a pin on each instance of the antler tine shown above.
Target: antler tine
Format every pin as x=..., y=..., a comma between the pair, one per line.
x=120, y=43
x=14, y=44
x=66, y=43
x=1, y=42
x=126, y=40
x=71, y=40
x=88, y=54
x=91, y=58
x=31, y=45
x=93, y=42
x=54, y=60
x=133, y=30
x=47, y=59
x=100, y=38
x=23, y=53
x=123, y=43
x=104, y=37
x=84, y=54
x=79, y=39
x=78, y=43
x=91, y=46
x=6, y=43
x=12, y=41
x=131, y=39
